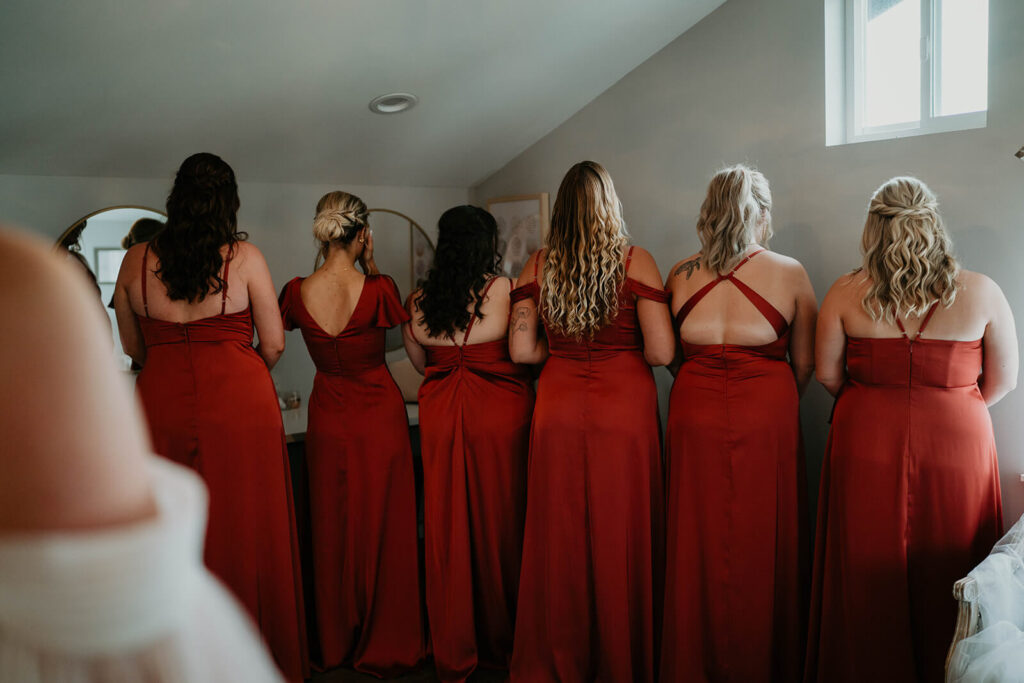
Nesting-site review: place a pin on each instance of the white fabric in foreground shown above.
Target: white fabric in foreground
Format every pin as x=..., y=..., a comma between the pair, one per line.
x=995, y=654
x=126, y=604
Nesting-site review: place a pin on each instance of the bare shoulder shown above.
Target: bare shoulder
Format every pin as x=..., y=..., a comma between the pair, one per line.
x=848, y=287
x=685, y=268
x=529, y=268
x=412, y=302
x=977, y=283
x=793, y=271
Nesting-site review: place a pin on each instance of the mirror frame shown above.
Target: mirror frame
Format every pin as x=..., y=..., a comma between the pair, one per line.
x=413, y=225
x=56, y=245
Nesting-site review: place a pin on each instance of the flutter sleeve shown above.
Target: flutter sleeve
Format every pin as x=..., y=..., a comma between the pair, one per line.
x=390, y=311
x=653, y=293
x=287, y=302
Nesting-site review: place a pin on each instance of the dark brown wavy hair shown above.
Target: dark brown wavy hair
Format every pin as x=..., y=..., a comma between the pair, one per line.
x=201, y=218
x=465, y=259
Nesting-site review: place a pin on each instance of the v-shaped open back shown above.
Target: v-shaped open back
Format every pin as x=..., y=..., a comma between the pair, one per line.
x=770, y=313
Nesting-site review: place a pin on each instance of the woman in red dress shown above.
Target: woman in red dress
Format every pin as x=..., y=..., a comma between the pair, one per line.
x=475, y=409
x=362, y=495
x=737, y=545
x=186, y=304
x=909, y=499
x=590, y=587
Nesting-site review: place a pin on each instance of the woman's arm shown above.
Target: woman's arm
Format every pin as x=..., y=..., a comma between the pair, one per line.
x=801, y=340
x=525, y=343
x=417, y=354
x=830, y=340
x=655, y=319
x=1000, y=363
x=266, y=314
x=127, y=323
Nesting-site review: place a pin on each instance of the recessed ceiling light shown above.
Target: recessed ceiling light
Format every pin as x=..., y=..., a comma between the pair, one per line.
x=393, y=103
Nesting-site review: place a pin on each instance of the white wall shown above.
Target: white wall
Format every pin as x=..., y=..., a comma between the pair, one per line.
x=747, y=85
x=278, y=218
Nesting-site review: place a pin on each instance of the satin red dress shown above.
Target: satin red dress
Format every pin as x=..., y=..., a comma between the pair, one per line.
x=362, y=495
x=475, y=410
x=591, y=584
x=909, y=503
x=211, y=406
x=736, y=545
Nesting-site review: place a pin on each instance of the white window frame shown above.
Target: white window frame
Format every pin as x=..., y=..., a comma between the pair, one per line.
x=844, y=124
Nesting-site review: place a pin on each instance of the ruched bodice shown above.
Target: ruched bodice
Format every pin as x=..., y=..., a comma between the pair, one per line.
x=227, y=327
x=939, y=363
x=489, y=359
x=719, y=355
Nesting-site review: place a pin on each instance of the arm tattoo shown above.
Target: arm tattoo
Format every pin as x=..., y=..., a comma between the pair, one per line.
x=689, y=266
x=519, y=320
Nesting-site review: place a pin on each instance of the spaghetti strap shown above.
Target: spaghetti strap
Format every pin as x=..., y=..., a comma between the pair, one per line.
x=145, y=301
x=472, y=317
x=536, y=265
x=629, y=259
x=924, y=323
x=224, y=289
x=770, y=313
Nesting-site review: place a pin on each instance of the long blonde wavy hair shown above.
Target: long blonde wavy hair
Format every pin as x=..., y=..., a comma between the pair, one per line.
x=735, y=214
x=908, y=255
x=586, y=245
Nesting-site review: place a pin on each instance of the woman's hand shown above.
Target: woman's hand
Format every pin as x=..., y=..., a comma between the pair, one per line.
x=366, y=258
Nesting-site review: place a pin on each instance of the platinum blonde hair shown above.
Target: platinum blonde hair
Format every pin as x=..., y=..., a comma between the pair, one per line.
x=584, y=269
x=908, y=256
x=735, y=214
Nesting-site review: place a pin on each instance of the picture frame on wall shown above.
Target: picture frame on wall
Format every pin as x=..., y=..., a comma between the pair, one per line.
x=108, y=264
x=523, y=222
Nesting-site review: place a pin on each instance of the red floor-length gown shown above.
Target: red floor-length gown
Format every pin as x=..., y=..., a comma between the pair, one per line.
x=475, y=410
x=909, y=503
x=736, y=545
x=362, y=495
x=590, y=588
x=211, y=406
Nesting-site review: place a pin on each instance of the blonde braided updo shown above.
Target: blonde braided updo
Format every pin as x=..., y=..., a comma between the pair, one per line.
x=339, y=218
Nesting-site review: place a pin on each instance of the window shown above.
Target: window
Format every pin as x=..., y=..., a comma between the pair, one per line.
x=906, y=67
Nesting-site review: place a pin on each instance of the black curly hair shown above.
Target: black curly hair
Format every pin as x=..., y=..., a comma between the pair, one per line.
x=201, y=218
x=465, y=259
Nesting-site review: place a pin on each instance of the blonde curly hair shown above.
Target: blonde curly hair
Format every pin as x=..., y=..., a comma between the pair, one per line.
x=735, y=214
x=908, y=255
x=584, y=269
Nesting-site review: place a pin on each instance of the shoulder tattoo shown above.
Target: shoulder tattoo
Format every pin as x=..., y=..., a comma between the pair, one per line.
x=689, y=266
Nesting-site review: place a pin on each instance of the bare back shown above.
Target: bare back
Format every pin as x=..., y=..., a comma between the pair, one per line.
x=331, y=296
x=725, y=315
x=491, y=327
x=965, y=320
x=158, y=305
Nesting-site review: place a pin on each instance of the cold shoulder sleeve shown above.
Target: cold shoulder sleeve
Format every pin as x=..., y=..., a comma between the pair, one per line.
x=647, y=292
x=287, y=302
x=390, y=311
x=531, y=290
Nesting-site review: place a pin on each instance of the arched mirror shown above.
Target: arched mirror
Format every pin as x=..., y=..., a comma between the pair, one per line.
x=403, y=250
x=98, y=242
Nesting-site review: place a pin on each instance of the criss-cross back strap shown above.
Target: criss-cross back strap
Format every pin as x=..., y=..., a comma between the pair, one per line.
x=145, y=301
x=770, y=313
x=472, y=317
x=224, y=289
x=927, y=317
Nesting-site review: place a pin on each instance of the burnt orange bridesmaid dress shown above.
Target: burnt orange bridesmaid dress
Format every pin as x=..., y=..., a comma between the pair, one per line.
x=475, y=410
x=362, y=495
x=909, y=503
x=211, y=406
x=591, y=585
x=736, y=541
